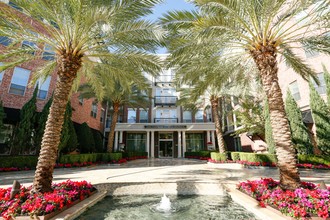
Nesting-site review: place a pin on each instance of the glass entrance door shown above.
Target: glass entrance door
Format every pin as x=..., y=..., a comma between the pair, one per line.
x=165, y=148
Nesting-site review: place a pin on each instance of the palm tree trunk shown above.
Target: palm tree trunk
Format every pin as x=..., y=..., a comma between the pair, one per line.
x=265, y=58
x=218, y=123
x=67, y=72
x=111, y=136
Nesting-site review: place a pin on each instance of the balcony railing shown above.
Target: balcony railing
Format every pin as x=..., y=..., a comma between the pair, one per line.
x=166, y=120
x=165, y=100
x=164, y=79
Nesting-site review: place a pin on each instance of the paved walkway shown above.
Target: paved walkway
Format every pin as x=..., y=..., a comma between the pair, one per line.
x=161, y=170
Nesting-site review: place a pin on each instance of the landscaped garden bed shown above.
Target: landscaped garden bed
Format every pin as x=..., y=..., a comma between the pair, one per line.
x=302, y=203
x=25, y=203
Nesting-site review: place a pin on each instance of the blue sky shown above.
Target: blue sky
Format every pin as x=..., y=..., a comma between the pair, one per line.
x=169, y=5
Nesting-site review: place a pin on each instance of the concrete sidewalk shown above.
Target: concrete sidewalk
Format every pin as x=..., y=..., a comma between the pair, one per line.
x=162, y=170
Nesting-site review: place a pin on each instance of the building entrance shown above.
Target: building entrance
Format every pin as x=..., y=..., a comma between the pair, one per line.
x=165, y=149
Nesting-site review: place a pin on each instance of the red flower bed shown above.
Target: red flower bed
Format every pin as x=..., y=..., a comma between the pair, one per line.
x=26, y=203
x=217, y=161
x=264, y=164
x=302, y=203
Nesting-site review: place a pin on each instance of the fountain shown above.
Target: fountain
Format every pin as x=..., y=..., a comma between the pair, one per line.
x=164, y=205
x=148, y=207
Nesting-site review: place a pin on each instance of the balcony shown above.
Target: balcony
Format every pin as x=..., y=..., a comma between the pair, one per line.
x=164, y=79
x=166, y=120
x=165, y=100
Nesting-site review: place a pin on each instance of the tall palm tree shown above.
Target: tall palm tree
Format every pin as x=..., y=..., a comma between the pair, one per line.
x=258, y=31
x=80, y=32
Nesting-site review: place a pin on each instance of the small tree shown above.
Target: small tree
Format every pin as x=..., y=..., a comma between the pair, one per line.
x=98, y=141
x=299, y=132
x=85, y=138
x=321, y=117
x=42, y=123
x=65, y=135
x=268, y=130
x=25, y=130
x=73, y=140
x=2, y=116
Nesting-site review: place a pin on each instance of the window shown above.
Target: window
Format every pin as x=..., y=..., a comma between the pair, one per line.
x=102, y=115
x=230, y=121
x=166, y=116
x=49, y=53
x=13, y=5
x=294, y=89
x=30, y=44
x=131, y=115
x=43, y=87
x=1, y=73
x=194, y=142
x=321, y=89
x=108, y=122
x=94, y=110
x=136, y=142
x=187, y=117
x=19, y=81
x=6, y=41
x=144, y=116
x=199, y=116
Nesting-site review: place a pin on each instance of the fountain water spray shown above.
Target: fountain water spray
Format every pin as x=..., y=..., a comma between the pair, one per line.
x=165, y=204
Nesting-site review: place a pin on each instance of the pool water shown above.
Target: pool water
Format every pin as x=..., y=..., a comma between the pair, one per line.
x=142, y=207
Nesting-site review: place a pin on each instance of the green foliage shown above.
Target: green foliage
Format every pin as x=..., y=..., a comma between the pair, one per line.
x=250, y=114
x=253, y=157
x=18, y=161
x=268, y=130
x=85, y=138
x=130, y=154
x=42, y=119
x=218, y=156
x=72, y=143
x=235, y=156
x=321, y=117
x=2, y=116
x=299, y=132
x=327, y=83
x=314, y=159
x=198, y=154
x=98, y=141
x=25, y=130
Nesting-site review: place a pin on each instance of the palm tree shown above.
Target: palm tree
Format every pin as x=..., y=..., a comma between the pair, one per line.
x=130, y=92
x=258, y=31
x=80, y=32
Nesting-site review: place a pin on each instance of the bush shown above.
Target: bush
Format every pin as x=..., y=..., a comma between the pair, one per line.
x=134, y=154
x=19, y=161
x=197, y=154
x=85, y=138
x=81, y=158
x=253, y=157
x=218, y=156
x=98, y=141
x=314, y=159
x=235, y=156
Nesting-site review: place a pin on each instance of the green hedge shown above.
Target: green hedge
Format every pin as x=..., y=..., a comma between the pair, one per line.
x=202, y=153
x=218, y=157
x=314, y=159
x=253, y=157
x=235, y=156
x=19, y=161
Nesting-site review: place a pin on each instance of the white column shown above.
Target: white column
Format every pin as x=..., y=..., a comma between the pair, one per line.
x=116, y=141
x=208, y=138
x=148, y=142
x=213, y=139
x=179, y=144
x=183, y=142
x=121, y=137
x=152, y=144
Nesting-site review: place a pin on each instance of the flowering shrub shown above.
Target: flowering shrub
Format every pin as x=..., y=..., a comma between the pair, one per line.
x=249, y=163
x=303, y=202
x=220, y=161
x=314, y=166
x=197, y=157
x=29, y=204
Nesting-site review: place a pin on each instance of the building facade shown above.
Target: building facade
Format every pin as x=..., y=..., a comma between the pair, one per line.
x=165, y=129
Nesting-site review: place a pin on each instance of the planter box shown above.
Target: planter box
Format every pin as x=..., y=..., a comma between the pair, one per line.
x=50, y=215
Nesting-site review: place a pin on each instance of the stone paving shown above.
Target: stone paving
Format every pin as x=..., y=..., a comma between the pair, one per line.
x=162, y=170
